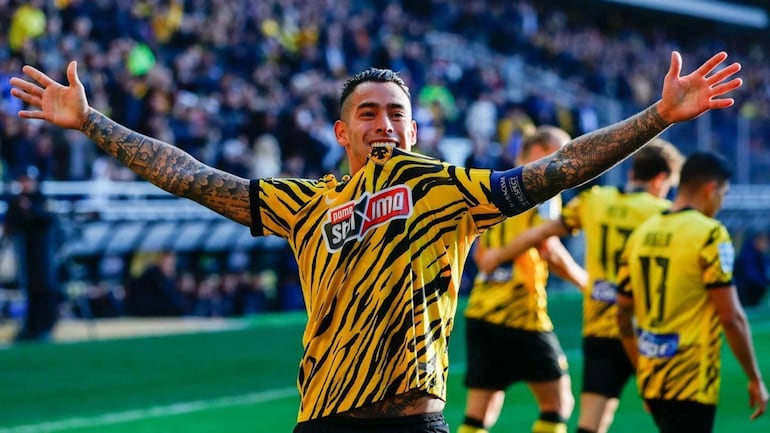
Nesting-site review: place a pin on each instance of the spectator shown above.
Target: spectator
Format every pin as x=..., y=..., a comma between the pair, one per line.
x=33, y=229
x=155, y=293
x=752, y=269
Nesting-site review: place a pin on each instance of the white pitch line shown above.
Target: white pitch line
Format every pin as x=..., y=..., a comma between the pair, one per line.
x=153, y=412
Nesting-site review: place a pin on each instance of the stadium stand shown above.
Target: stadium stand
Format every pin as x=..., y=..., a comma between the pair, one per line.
x=251, y=87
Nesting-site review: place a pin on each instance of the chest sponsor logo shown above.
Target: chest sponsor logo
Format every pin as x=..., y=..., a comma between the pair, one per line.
x=604, y=291
x=501, y=274
x=354, y=219
x=657, y=345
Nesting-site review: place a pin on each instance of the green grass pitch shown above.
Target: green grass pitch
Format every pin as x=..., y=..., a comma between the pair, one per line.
x=244, y=381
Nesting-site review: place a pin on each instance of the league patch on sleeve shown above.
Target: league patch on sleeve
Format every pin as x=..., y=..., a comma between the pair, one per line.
x=726, y=256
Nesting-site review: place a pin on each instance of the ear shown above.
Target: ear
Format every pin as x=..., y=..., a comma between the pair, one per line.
x=414, y=132
x=710, y=188
x=660, y=179
x=341, y=133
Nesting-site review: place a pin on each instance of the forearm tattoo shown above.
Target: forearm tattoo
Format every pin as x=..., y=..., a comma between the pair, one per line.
x=171, y=168
x=590, y=155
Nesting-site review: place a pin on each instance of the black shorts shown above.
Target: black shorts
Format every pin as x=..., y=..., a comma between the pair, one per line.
x=428, y=423
x=499, y=356
x=606, y=367
x=682, y=416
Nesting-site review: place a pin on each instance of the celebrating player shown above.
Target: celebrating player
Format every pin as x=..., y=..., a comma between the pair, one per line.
x=380, y=252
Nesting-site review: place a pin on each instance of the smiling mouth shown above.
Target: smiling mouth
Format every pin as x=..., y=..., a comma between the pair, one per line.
x=377, y=144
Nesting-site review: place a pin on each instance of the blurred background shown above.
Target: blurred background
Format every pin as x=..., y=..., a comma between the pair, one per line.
x=252, y=87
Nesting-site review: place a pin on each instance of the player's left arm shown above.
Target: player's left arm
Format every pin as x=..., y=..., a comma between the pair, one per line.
x=586, y=157
x=738, y=335
x=625, y=314
x=491, y=258
x=625, y=305
x=561, y=262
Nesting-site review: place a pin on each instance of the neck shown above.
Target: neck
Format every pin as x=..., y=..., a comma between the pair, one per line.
x=686, y=202
x=637, y=186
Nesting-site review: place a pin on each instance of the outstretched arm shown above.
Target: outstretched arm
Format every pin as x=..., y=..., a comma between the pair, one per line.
x=585, y=157
x=162, y=164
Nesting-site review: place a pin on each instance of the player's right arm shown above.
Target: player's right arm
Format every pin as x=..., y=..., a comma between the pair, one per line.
x=738, y=336
x=162, y=164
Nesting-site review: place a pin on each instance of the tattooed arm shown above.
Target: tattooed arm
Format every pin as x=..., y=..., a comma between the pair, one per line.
x=588, y=156
x=170, y=168
x=161, y=163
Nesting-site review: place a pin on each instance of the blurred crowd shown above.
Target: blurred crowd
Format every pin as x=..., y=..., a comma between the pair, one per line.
x=252, y=87
x=161, y=286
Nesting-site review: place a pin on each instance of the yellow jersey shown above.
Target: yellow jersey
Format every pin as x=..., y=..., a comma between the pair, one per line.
x=380, y=259
x=669, y=263
x=607, y=216
x=514, y=294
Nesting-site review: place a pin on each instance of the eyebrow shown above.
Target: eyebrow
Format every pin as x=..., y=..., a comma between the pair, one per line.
x=390, y=106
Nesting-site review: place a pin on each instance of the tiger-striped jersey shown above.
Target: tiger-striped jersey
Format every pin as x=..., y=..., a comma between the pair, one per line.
x=514, y=294
x=669, y=263
x=607, y=217
x=380, y=260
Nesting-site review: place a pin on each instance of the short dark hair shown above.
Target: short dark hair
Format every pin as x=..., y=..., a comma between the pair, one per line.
x=372, y=74
x=703, y=167
x=657, y=156
x=544, y=136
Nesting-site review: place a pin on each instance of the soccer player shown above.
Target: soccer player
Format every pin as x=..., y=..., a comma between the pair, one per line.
x=509, y=335
x=380, y=252
x=606, y=215
x=675, y=279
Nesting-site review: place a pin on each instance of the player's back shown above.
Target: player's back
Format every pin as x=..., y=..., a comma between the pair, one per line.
x=672, y=259
x=607, y=215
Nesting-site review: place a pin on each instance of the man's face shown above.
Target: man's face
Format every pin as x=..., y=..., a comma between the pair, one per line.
x=375, y=113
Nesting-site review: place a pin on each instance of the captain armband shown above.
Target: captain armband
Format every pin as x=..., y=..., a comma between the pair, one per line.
x=508, y=192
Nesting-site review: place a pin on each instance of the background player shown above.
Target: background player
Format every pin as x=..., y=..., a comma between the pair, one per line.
x=509, y=334
x=676, y=281
x=606, y=215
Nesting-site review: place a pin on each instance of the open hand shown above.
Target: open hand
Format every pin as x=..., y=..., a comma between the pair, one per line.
x=688, y=97
x=757, y=398
x=64, y=106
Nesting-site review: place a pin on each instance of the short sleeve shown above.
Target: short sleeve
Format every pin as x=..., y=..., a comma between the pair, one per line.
x=718, y=258
x=275, y=204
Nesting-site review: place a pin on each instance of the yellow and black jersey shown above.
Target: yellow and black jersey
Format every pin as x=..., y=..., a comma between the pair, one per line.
x=607, y=217
x=514, y=294
x=669, y=263
x=380, y=260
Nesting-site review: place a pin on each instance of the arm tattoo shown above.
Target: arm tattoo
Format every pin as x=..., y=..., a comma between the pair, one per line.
x=590, y=155
x=171, y=168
